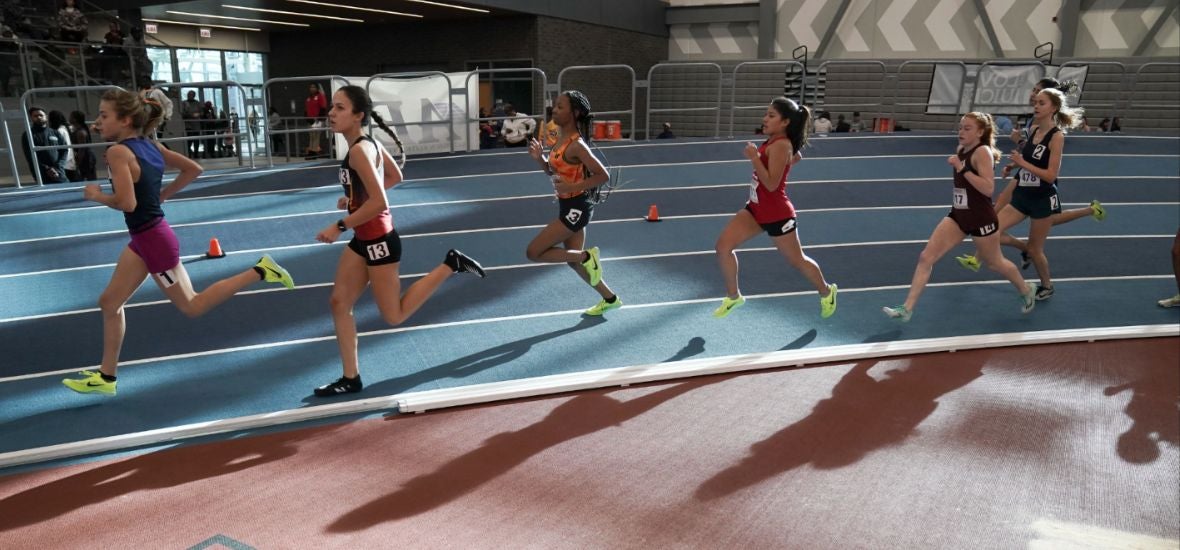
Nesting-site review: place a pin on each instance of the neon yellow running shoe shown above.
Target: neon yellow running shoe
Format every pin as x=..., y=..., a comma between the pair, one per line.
x=827, y=304
x=728, y=305
x=593, y=268
x=90, y=382
x=272, y=272
x=604, y=306
x=1097, y=211
x=968, y=261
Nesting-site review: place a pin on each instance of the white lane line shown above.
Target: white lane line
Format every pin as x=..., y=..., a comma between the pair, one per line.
x=468, y=322
x=611, y=259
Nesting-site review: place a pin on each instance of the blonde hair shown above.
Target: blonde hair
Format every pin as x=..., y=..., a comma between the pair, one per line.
x=145, y=114
x=1066, y=117
x=989, y=132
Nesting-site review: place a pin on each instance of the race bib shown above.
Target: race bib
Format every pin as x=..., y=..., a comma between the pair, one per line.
x=754, y=190
x=960, y=199
x=1028, y=179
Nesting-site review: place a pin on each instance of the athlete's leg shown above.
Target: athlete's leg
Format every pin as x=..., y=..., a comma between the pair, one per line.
x=543, y=247
x=130, y=272
x=946, y=236
x=352, y=277
x=395, y=307
x=741, y=228
x=177, y=287
x=1038, y=232
x=788, y=245
x=575, y=242
x=988, y=249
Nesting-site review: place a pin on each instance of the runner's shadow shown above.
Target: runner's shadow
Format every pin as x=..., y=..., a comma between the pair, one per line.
x=862, y=415
x=802, y=341
x=583, y=414
x=1153, y=408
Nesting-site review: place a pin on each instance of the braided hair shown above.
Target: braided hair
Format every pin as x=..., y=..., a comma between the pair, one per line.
x=583, y=119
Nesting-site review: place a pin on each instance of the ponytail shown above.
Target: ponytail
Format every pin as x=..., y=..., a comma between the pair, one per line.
x=798, y=119
x=401, y=149
x=1066, y=117
x=145, y=114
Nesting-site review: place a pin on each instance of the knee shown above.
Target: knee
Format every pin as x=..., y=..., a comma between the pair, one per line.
x=393, y=318
x=110, y=305
x=189, y=310
x=532, y=254
x=927, y=258
x=339, y=304
x=723, y=248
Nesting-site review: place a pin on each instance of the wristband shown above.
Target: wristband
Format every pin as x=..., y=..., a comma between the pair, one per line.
x=340, y=225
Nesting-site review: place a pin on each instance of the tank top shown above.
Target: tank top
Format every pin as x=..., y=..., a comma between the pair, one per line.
x=1036, y=154
x=970, y=207
x=381, y=224
x=567, y=172
x=770, y=206
x=147, y=188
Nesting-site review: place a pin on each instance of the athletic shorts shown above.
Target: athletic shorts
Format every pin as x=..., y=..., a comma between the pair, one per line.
x=778, y=228
x=1036, y=205
x=575, y=212
x=976, y=230
x=381, y=251
x=157, y=246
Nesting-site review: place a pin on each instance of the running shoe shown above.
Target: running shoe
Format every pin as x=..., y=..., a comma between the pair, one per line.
x=898, y=312
x=604, y=306
x=90, y=382
x=593, y=268
x=1025, y=261
x=728, y=305
x=1174, y=301
x=462, y=263
x=272, y=272
x=827, y=304
x=968, y=261
x=341, y=386
x=1028, y=300
x=1097, y=211
x=1044, y=292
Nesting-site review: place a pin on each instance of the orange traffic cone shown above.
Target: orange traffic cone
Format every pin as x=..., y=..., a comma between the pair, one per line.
x=653, y=214
x=214, y=249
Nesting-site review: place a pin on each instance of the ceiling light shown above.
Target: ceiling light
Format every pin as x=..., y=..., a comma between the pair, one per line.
x=440, y=4
x=238, y=18
x=297, y=14
x=168, y=22
x=358, y=8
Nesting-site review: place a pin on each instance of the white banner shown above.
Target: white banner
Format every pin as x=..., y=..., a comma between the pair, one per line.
x=419, y=109
x=998, y=89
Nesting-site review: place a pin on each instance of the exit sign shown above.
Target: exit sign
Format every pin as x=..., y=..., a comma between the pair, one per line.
x=206, y=33
x=150, y=28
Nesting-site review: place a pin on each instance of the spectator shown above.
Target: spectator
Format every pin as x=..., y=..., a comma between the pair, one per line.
x=823, y=124
x=487, y=132
x=57, y=123
x=147, y=91
x=842, y=125
x=190, y=111
x=9, y=58
x=1085, y=127
x=549, y=131
x=1115, y=126
x=1104, y=126
x=52, y=162
x=857, y=124
x=275, y=122
x=252, y=123
x=518, y=127
x=85, y=162
x=1003, y=125
x=667, y=133
x=114, y=36
x=314, y=107
x=209, y=129
x=71, y=23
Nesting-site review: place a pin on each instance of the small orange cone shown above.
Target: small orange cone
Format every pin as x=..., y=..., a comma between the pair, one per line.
x=653, y=214
x=214, y=249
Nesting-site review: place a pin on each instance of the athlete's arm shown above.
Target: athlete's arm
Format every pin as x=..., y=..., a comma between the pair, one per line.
x=393, y=174
x=539, y=156
x=1056, y=147
x=777, y=155
x=189, y=170
x=119, y=159
x=577, y=152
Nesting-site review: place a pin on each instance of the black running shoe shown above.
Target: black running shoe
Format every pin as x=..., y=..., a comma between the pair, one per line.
x=1025, y=261
x=341, y=386
x=462, y=263
x=1044, y=292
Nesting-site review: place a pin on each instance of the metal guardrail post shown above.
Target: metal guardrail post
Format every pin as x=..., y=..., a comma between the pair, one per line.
x=650, y=87
x=958, y=104
x=627, y=68
x=532, y=70
x=10, y=148
x=1122, y=76
x=24, y=105
x=880, y=93
x=450, y=122
x=734, y=107
x=266, y=104
x=225, y=85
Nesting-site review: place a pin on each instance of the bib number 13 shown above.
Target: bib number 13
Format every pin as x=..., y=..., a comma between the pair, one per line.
x=377, y=251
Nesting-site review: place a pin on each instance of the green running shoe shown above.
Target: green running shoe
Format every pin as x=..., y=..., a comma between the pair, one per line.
x=604, y=306
x=272, y=272
x=968, y=261
x=1028, y=300
x=728, y=305
x=593, y=268
x=1097, y=211
x=898, y=312
x=827, y=304
x=90, y=382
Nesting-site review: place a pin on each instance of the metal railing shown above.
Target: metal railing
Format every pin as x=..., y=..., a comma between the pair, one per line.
x=598, y=114
x=651, y=91
x=957, y=104
x=546, y=99
x=1139, y=75
x=734, y=107
x=267, y=104
x=1114, y=104
x=33, y=149
x=450, y=122
x=837, y=63
x=9, y=148
x=237, y=135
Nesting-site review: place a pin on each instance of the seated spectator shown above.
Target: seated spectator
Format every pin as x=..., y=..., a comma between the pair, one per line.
x=842, y=125
x=857, y=124
x=85, y=162
x=71, y=23
x=1085, y=126
x=1115, y=126
x=1003, y=125
x=1104, y=126
x=487, y=131
x=823, y=124
x=518, y=127
x=52, y=162
x=667, y=133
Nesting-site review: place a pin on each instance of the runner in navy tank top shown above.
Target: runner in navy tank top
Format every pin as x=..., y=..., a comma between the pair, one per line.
x=971, y=214
x=768, y=208
x=374, y=253
x=137, y=166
